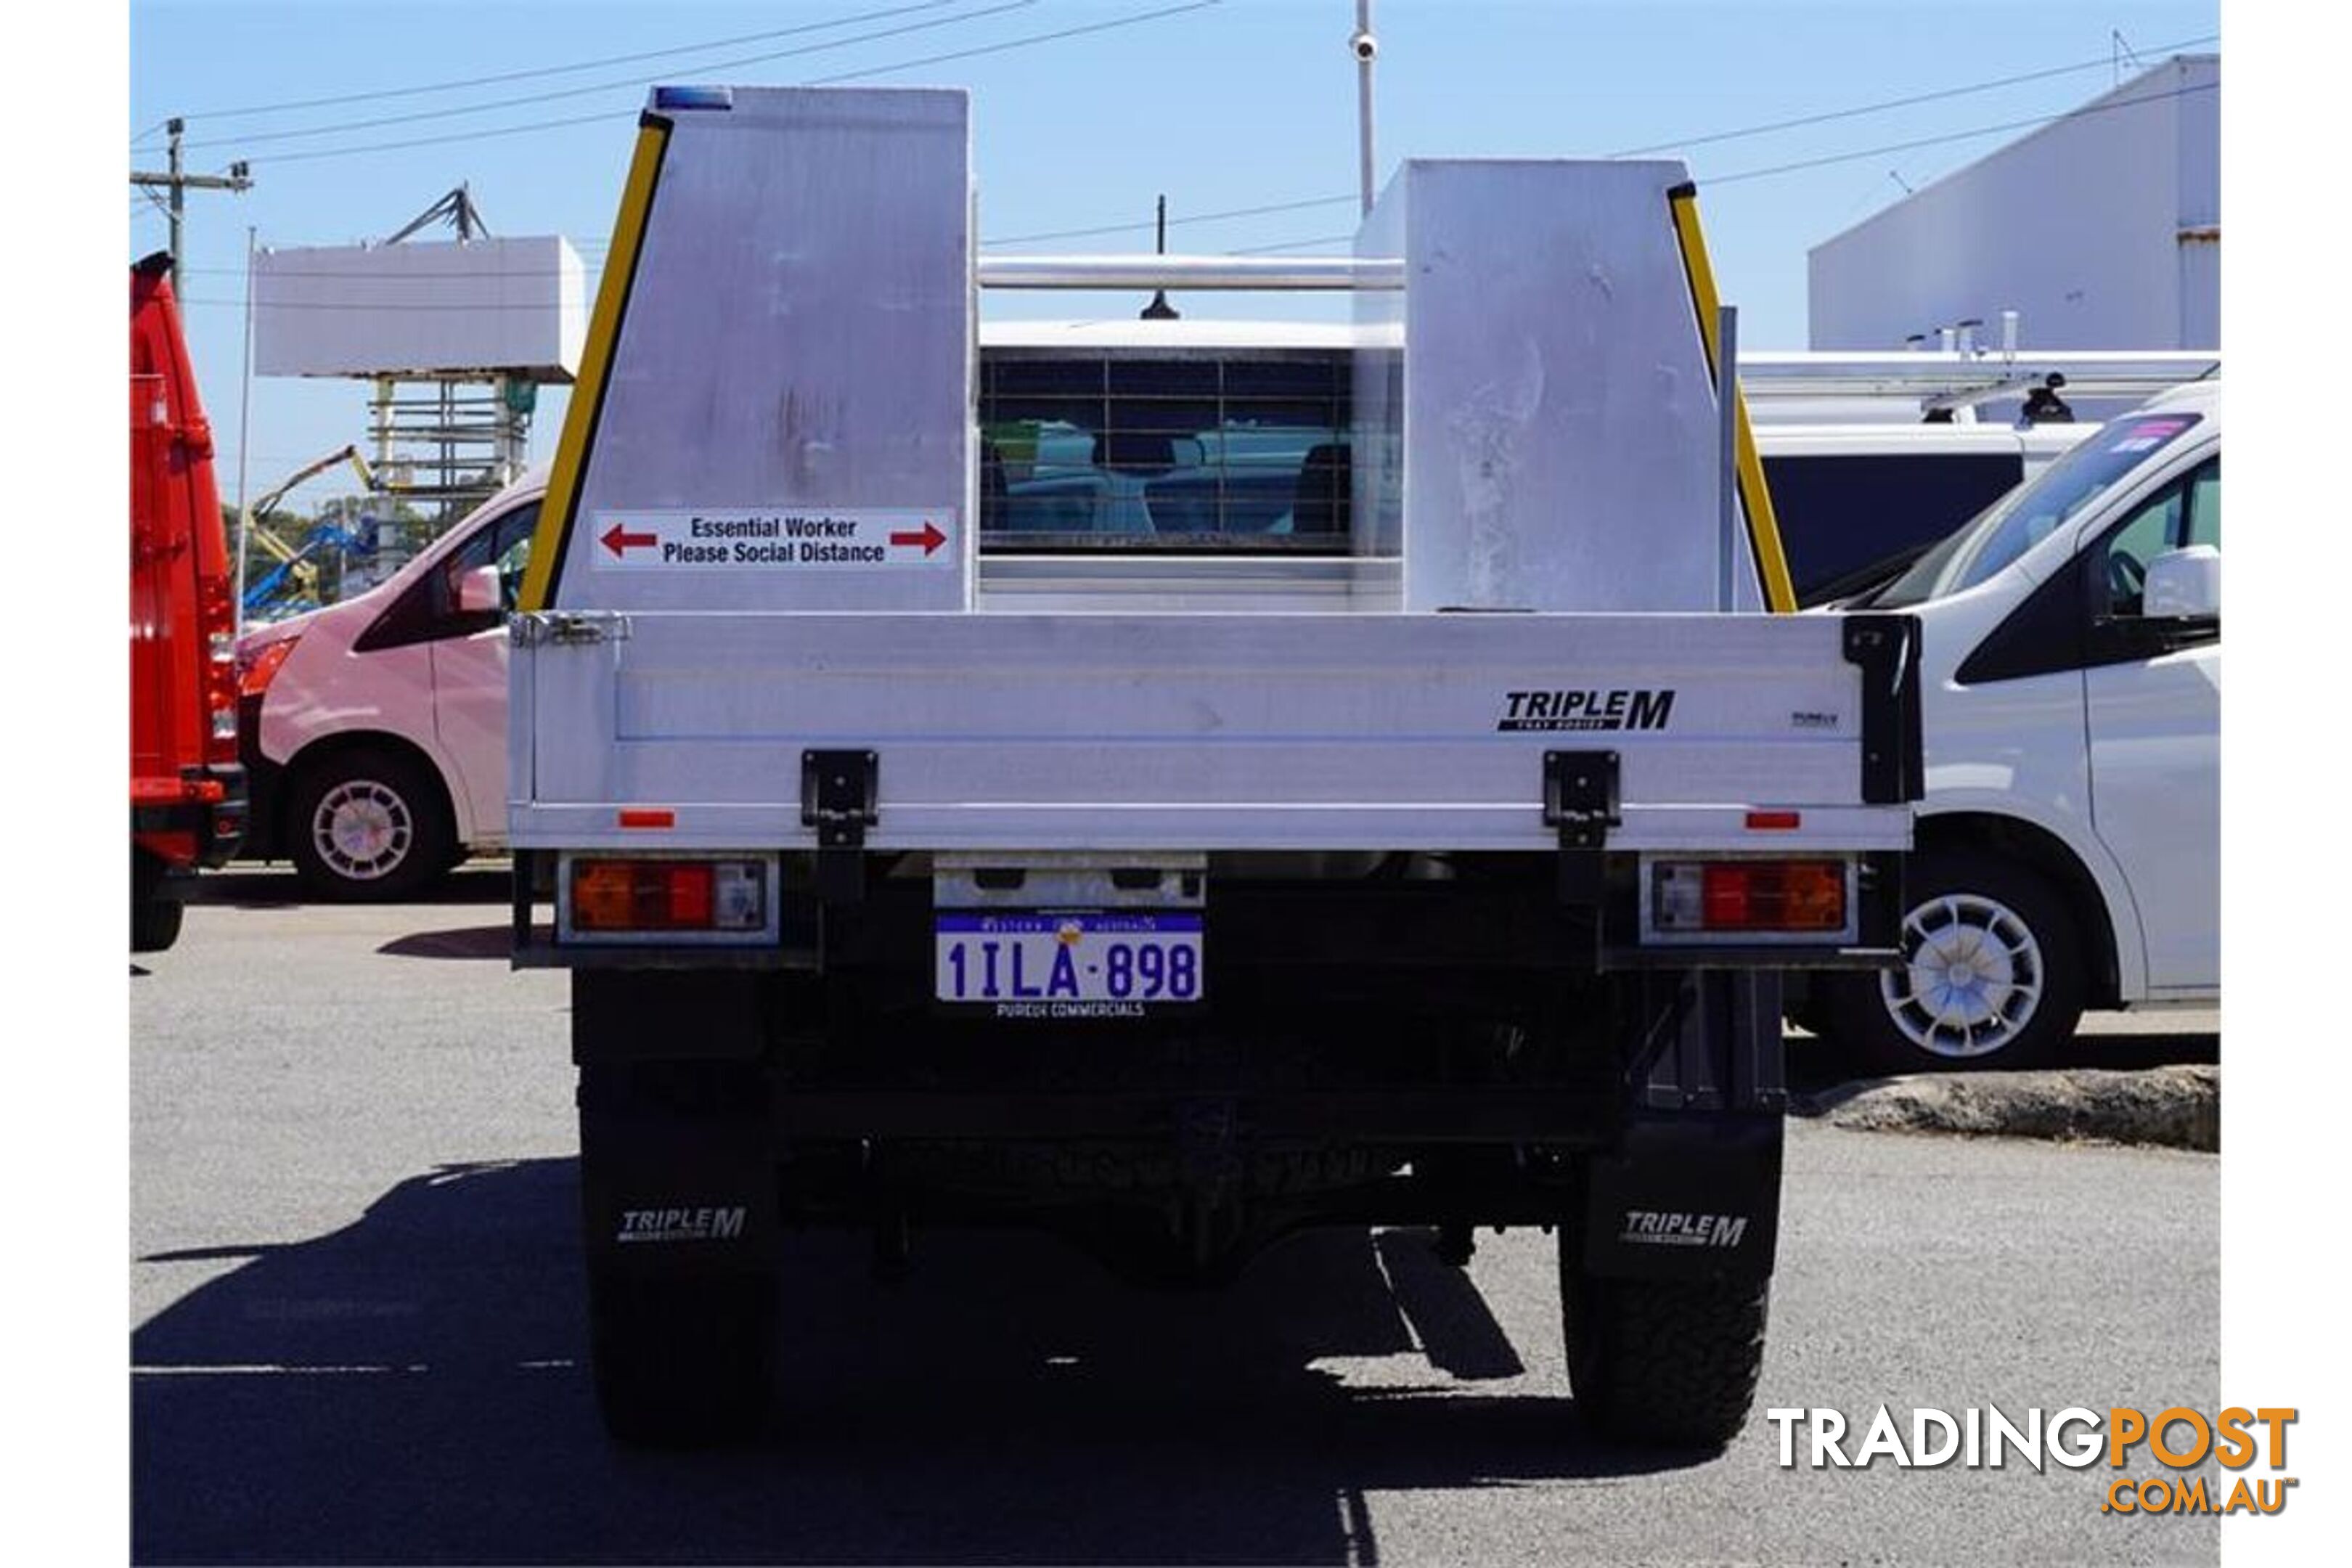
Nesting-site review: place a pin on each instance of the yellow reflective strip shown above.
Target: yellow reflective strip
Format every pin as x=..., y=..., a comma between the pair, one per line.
x=554, y=529
x=1755, y=499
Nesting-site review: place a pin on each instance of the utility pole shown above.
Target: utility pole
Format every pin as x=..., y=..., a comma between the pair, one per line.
x=177, y=180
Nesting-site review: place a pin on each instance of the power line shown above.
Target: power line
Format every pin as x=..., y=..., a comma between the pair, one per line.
x=1295, y=243
x=1714, y=179
x=607, y=116
x=636, y=83
x=1912, y=101
x=1275, y=207
x=1891, y=103
x=1961, y=135
x=1016, y=43
x=1849, y=157
x=1269, y=208
x=349, y=97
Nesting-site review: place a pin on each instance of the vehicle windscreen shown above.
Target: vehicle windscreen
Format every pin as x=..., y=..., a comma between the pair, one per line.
x=2028, y=515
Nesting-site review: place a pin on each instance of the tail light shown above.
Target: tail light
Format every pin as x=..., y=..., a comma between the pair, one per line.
x=216, y=610
x=667, y=897
x=260, y=667
x=1749, y=900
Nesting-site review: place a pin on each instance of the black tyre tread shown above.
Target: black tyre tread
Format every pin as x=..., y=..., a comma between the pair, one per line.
x=1668, y=1364
x=1852, y=1017
x=682, y=1361
x=154, y=918
x=433, y=848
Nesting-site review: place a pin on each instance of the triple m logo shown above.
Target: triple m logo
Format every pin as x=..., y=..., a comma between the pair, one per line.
x=1621, y=709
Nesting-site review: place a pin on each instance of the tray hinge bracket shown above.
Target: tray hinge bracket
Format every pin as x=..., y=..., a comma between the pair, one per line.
x=1581, y=801
x=838, y=791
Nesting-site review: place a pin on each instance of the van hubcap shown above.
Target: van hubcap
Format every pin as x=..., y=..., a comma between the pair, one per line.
x=1973, y=977
x=361, y=829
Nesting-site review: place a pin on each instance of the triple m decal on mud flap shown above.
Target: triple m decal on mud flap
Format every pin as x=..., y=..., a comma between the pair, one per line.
x=681, y=1225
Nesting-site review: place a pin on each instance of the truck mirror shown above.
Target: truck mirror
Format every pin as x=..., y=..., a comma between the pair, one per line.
x=478, y=592
x=2184, y=582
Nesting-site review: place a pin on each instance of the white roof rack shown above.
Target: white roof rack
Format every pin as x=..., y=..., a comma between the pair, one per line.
x=1952, y=379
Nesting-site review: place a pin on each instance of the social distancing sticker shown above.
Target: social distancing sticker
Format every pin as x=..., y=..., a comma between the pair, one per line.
x=764, y=539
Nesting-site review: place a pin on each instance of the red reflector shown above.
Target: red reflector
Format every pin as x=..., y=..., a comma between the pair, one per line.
x=689, y=896
x=1773, y=821
x=642, y=818
x=1723, y=899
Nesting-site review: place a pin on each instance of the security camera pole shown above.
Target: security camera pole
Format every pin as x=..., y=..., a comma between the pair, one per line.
x=1365, y=47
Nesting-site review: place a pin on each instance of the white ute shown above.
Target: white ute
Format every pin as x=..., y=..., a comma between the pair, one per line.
x=1440, y=871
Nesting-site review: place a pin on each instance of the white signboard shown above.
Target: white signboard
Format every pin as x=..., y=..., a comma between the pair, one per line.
x=771, y=539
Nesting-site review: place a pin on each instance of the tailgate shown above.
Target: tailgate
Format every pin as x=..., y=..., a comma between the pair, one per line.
x=1205, y=732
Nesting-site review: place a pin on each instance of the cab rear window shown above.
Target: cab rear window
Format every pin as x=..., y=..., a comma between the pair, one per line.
x=1222, y=452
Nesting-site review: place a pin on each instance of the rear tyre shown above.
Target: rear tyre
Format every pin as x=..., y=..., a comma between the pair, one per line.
x=368, y=824
x=154, y=918
x=681, y=1360
x=1992, y=974
x=1662, y=1362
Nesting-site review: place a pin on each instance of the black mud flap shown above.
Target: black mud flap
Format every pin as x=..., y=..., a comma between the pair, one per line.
x=1693, y=1196
x=677, y=1167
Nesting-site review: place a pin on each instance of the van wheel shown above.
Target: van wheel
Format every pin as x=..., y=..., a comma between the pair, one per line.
x=368, y=824
x=154, y=918
x=1991, y=974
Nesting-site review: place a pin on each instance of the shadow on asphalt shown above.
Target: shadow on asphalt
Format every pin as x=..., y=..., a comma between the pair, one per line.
x=464, y=941
x=411, y=1388
x=267, y=885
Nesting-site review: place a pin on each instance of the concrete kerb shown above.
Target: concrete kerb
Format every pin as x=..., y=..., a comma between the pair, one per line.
x=2175, y=1107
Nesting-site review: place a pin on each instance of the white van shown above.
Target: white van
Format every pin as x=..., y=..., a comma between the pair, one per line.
x=373, y=731
x=2069, y=844
x=1857, y=502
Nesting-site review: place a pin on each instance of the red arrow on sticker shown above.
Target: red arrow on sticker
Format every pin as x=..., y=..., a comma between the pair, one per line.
x=930, y=538
x=618, y=539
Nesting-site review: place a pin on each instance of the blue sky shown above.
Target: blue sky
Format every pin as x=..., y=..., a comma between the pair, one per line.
x=1229, y=105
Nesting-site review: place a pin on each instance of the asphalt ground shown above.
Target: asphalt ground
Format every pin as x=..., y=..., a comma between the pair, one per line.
x=356, y=1329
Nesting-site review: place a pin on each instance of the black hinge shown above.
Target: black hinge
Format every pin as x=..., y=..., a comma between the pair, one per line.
x=838, y=791
x=1893, y=767
x=1580, y=799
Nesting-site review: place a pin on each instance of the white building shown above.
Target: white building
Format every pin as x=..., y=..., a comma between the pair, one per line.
x=2101, y=229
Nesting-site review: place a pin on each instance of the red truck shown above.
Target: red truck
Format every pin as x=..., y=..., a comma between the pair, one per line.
x=187, y=789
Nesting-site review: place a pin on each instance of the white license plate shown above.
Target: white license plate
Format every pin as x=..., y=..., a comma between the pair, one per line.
x=1085, y=963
